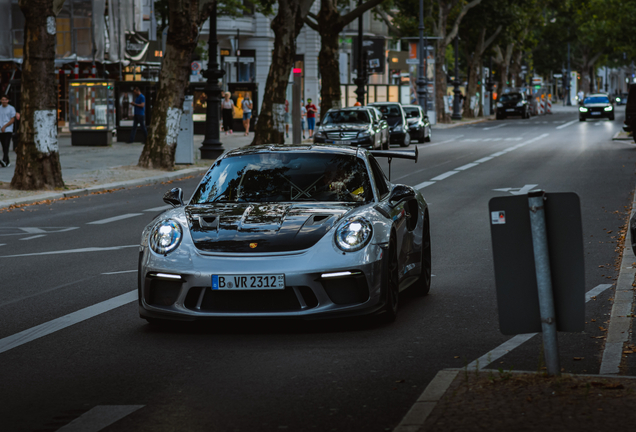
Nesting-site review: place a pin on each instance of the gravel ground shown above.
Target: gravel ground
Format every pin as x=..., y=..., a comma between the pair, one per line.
x=500, y=401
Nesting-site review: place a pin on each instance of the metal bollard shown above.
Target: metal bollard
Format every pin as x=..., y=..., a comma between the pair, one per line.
x=544, y=280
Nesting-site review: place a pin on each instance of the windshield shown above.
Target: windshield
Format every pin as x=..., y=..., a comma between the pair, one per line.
x=596, y=99
x=411, y=111
x=285, y=176
x=389, y=110
x=511, y=97
x=346, y=116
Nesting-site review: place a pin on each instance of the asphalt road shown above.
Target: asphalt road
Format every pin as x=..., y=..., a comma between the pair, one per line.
x=110, y=371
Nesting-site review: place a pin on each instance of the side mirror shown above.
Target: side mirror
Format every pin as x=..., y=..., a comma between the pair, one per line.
x=174, y=197
x=400, y=193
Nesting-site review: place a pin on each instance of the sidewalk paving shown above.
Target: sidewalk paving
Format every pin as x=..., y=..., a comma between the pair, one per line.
x=93, y=169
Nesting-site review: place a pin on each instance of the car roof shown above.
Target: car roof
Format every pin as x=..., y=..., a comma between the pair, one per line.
x=411, y=106
x=597, y=95
x=385, y=103
x=356, y=108
x=280, y=148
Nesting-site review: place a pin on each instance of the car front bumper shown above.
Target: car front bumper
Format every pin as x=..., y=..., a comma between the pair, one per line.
x=516, y=111
x=308, y=293
x=596, y=114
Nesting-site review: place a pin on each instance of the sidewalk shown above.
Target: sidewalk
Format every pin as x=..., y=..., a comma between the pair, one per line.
x=93, y=169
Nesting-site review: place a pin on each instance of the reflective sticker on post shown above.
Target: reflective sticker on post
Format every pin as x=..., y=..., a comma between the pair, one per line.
x=498, y=217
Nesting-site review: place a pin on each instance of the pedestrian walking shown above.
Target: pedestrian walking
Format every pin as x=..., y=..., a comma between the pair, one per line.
x=140, y=115
x=287, y=118
x=7, y=118
x=227, y=110
x=580, y=95
x=303, y=117
x=311, y=117
x=247, y=107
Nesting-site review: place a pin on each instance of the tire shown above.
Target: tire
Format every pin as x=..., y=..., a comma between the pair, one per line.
x=429, y=137
x=407, y=140
x=423, y=284
x=390, y=284
x=422, y=138
x=385, y=145
x=581, y=119
x=611, y=118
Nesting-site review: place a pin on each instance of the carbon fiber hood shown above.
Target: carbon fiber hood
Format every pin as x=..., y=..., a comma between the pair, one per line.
x=258, y=228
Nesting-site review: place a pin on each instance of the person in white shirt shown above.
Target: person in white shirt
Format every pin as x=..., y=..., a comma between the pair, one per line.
x=581, y=95
x=7, y=118
x=303, y=116
x=247, y=105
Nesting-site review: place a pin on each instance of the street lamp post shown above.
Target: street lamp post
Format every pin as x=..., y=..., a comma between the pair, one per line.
x=361, y=80
x=568, y=79
x=457, y=114
x=422, y=91
x=212, y=147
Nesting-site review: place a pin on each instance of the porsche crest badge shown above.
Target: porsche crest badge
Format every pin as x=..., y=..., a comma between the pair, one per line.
x=253, y=245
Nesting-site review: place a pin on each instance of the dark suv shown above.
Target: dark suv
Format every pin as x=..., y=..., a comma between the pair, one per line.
x=394, y=115
x=355, y=126
x=512, y=104
x=630, y=111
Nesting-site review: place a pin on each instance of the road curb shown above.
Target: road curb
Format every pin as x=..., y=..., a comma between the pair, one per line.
x=104, y=187
x=618, y=331
x=423, y=407
x=620, y=136
x=452, y=125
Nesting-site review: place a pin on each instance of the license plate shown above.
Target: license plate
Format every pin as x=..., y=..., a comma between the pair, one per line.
x=596, y=113
x=342, y=142
x=248, y=282
x=510, y=110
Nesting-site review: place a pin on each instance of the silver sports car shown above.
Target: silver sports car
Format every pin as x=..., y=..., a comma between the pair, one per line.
x=277, y=231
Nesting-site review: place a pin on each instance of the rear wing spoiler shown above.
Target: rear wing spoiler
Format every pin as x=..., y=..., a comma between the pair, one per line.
x=400, y=154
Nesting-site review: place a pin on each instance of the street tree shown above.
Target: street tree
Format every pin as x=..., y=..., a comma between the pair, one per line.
x=286, y=26
x=329, y=23
x=38, y=160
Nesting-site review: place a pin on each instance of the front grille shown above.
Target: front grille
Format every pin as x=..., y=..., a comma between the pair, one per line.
x=342, y=135
x=255, y=301
x=347, y=291
x=162, y=292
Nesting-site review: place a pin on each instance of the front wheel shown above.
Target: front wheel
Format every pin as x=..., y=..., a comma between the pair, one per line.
x=581, y=119
x=407, y=140
x=385, y=145
x=429, y=136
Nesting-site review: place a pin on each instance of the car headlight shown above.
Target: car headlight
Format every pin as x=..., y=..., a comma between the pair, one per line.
x=364, y=134
x=319, y=134
x=609, y=108
x=165, y=236
x=519, y=104
x=354, y=234
x=582, y=109
x=499, y=105
x=397, y=128
x=618, y=99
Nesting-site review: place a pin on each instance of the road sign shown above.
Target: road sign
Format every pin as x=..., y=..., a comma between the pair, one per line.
x=413, y=61
x=558, y=75
x=513, y=256
x=537, y=80
x=195, y=66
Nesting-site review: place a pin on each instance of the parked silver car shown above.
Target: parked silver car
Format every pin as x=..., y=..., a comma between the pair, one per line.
x=279, y=231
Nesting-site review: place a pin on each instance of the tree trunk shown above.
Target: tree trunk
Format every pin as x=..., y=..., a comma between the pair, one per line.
x=473, y=74
x=186, y=16
x=37, y=157
x=330, y=26
x=286, y=26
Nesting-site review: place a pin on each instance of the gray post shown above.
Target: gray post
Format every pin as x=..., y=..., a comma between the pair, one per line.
x=296, y=128
x=422, y=91
x=568, y=78
x=544, y=280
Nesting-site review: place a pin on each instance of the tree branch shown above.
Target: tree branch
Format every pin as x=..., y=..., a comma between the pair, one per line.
x=451, y=35
x=388, y=22
x=346, y=19
x=491, y=39
x=312, y=25
x=312, y=16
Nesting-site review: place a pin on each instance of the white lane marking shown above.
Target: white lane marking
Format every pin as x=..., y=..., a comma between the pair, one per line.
x=497, y=139
x=120, y=272
x=44, y=291
x=163, y=207
x=514, y=139
x=424, y=146
x=3, y=244
x=518, y=191
x=471, y=140
x=495, y=127
x=567, y=124
x=82, y=250
x=465, y=167
x=114, y=219
x=443, y=176
x=558, y=121
x=99, y=418
x=485, y=159
x=65, y=321
x=514, y=342
x=498, y=154
x=423, y=185
x=33, y=237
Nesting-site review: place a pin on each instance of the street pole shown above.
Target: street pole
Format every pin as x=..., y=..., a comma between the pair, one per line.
x=491, y=85
x=212, y=147
x=422, y=91
x=606, y=77
x=361, y=80
x=296, y=128
x=568, y=79
x=536, y=202
x=457, y=114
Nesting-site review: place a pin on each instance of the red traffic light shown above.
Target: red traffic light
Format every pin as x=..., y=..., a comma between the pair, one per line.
x=298, y=71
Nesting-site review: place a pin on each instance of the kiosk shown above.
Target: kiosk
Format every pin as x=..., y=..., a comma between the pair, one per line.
x=92, y=112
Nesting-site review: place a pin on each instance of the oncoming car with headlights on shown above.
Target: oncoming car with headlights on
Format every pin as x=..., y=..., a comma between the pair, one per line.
x=287, y=232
